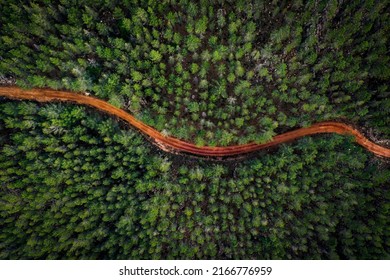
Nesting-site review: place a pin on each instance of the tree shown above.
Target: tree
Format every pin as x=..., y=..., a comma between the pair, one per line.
x=192, y=43
x=136, y=76
x=201, y=25
x=155, y=56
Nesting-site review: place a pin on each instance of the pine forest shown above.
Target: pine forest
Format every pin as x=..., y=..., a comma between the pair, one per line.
x=79, y=183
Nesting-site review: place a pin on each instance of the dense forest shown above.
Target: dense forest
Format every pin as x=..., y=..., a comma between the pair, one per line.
x=78, y=184
x=215, y=72
x=75, y=184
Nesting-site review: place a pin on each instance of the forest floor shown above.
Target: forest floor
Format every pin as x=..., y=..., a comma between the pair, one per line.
x=174, y=145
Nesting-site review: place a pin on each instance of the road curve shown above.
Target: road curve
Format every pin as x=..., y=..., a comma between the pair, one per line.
x=174, y=144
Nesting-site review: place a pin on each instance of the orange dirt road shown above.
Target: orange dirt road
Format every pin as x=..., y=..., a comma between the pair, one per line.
x=173, y=144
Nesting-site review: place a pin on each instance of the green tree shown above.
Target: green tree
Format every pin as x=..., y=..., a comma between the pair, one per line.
x=192, y=43
x=155, y=56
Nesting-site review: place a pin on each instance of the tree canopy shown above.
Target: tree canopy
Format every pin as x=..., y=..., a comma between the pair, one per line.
x=200, y=69
x=75, y=184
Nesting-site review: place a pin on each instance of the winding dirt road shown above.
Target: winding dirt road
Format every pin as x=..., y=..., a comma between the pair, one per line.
x=176, y=145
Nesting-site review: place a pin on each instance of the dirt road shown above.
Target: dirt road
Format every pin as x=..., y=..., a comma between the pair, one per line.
x=173, y=144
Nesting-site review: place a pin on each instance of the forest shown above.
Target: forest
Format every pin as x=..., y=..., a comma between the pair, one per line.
x=216, y=72
x=78, y=184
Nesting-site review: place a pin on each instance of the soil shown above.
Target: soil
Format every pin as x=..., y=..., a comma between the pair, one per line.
x=175, y=145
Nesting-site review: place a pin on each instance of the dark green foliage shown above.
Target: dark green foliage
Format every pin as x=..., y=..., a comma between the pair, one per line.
x=75, y=185
x=311, y=61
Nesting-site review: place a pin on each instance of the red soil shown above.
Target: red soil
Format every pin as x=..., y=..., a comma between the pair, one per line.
x=170, y=143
